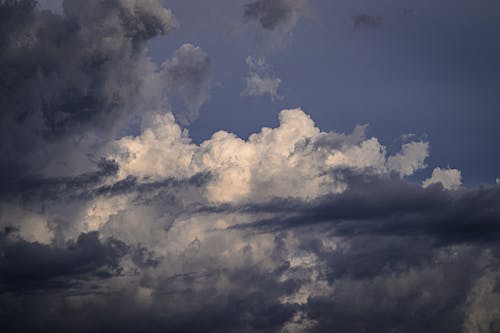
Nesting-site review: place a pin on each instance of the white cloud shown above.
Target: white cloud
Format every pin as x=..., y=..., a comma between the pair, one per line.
x=410, y=159
x=294, y=159
x=451, y=179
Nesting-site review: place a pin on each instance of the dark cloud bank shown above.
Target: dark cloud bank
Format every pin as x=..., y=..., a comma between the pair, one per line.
x=106, y=246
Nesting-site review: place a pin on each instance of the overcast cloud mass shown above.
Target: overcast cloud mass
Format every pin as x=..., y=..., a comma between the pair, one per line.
x=116, y=217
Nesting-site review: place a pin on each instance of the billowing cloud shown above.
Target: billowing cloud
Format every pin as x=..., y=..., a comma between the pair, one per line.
x=279, y=232
x=73, y=80
x=102, y=43
x=300, y=159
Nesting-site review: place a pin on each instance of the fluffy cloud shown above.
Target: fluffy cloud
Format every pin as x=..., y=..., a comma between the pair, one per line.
x=296, y=159
x=451, y=179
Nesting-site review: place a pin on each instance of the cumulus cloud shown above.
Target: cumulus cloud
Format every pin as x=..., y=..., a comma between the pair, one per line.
x=450, y=179
x=279, y=232
x=72, y=81
x=300, y=159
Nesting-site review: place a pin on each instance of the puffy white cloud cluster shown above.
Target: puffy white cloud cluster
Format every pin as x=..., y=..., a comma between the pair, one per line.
x=295, y=159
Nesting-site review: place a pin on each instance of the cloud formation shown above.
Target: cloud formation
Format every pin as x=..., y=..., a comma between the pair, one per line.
x=293, y=229
x=74, y=80
x=294, y=219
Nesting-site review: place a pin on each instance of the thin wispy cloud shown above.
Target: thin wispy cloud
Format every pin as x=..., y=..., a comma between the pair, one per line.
x=360, y=21
x=259, y=81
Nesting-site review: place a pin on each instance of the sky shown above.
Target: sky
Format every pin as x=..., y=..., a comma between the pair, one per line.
x=250, y=166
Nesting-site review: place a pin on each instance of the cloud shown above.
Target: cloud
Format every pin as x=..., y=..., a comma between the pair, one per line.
x=26, y=265
x=55, y=114
x=273, y=14
x=280, y=232
x=364, y=20
x=450, y=179
x=292, y=229
x=258, y=86
x=259, y=81
x=103, y=45
x=189, y=77
x=301, y=160
x=410, y=159
x=275, y=21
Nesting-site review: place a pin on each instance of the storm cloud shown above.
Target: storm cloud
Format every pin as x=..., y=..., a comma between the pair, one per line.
x=112, y=218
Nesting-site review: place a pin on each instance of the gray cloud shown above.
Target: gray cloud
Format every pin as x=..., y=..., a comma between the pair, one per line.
x=391, y=206
x=259, y=81
x=272, y=14
x=102, y=44
x=26, y=265
x=189, y=78
x=364, y=20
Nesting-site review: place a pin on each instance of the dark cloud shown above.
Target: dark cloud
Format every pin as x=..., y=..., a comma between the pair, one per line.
x=26, y=265
x=102, y=45
x=392, y=206
x=364, y=20
x=274, y=13
x=72, y=81
x=404, y=259
x=38, y=187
